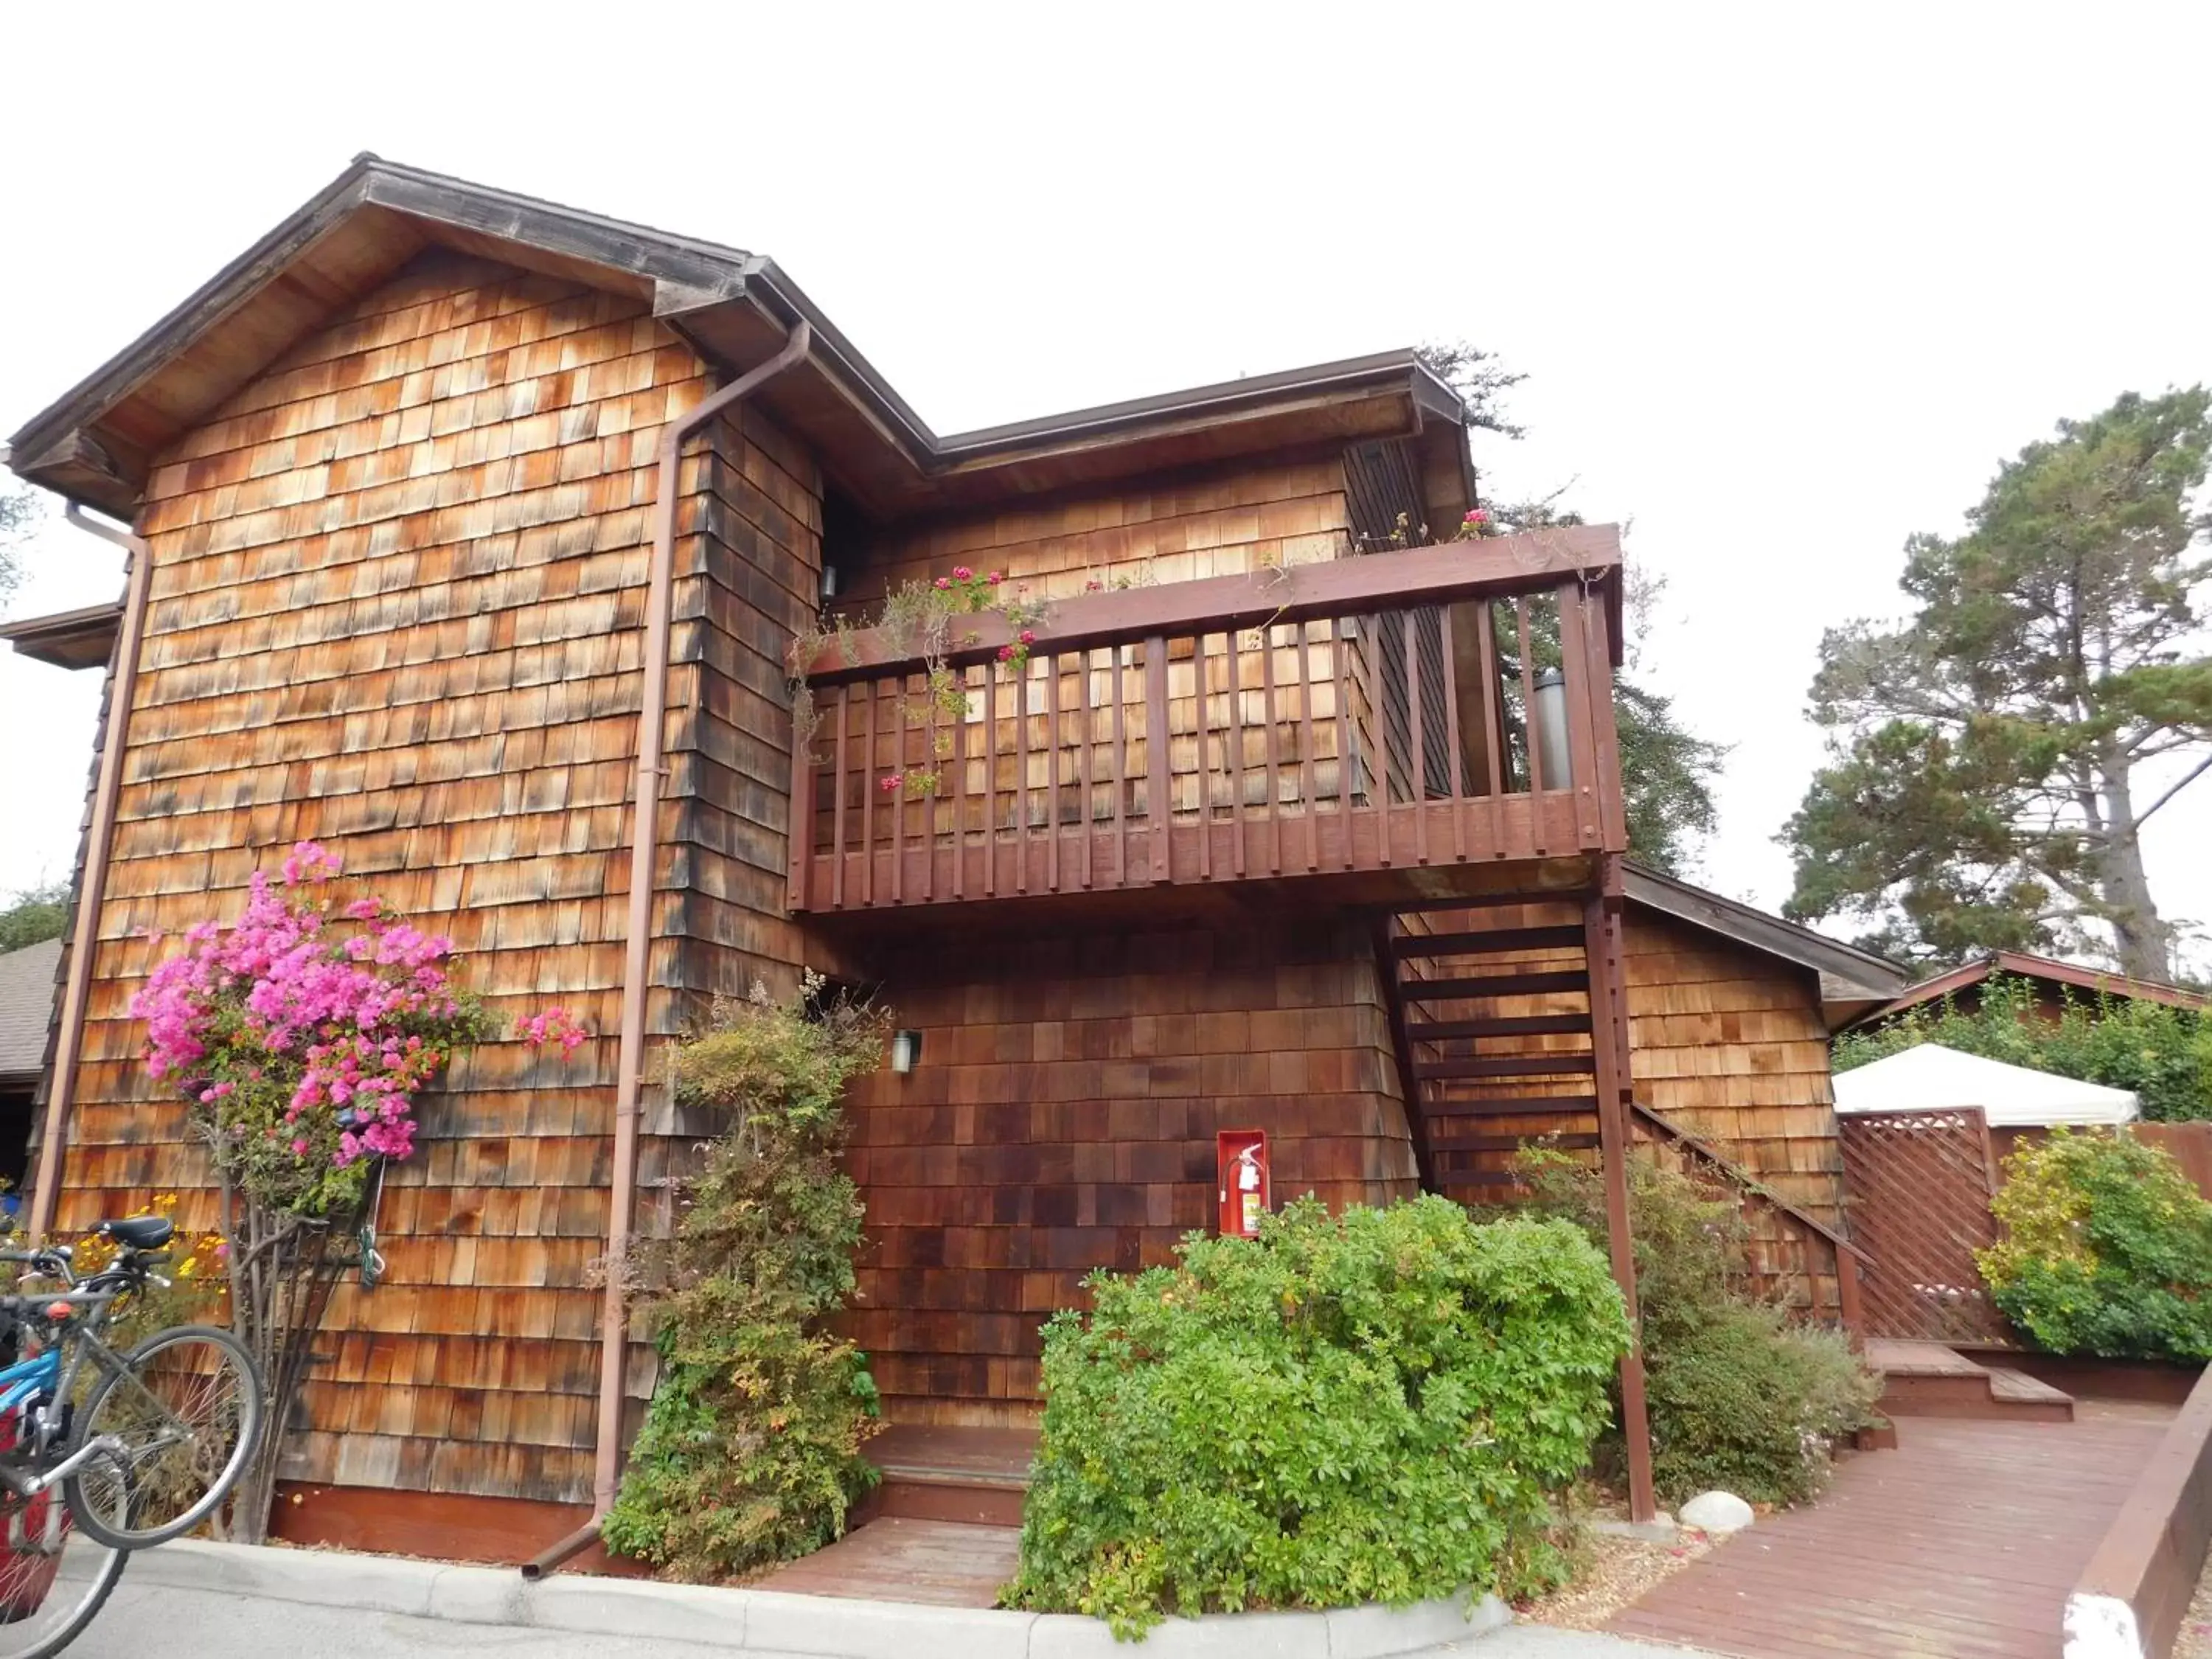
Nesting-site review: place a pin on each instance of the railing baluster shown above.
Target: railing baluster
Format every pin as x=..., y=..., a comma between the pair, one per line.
x=837, y=811
x=1120, y=767
x=1052, y=771
x=897, y=796
x=868, y=795
x=1204, y=724
x=1020, y=682
x=1530, y=745
x=926, y=805
x=990, y=779
x=802, y=822
x=1454, y=764
x=1267, y=723
x=1156, y=752
x=1417, y=781
x=1088, y=815
x=1306, y=746
x=1233, y=741
x=960, y=794
x=1574, y=665
x=1493, y=711
x=1346, y=773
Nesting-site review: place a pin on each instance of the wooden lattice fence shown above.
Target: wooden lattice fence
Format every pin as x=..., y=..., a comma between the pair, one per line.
x=1918, y=1186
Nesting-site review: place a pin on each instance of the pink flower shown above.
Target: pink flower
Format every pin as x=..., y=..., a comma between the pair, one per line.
x=1028, y=637
x=1005, y=653
x=944, y=582
x=997, y=576
x=891, y=782
x=961, y=573
x=1093, y=586
x=1476, y=515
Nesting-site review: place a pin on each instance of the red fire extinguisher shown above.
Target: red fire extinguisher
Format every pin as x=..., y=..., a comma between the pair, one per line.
x=1241, y=1159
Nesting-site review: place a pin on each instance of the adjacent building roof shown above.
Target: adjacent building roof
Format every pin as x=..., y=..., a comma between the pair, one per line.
x=27, y=1006
x=96, y=444
x=67, y=639
x=1852, y=980
x=1930, y=1077
x=2094, y=981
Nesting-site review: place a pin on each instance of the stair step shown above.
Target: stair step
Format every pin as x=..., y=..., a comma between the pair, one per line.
x=1511, y=1106
x=1489, y=942
x=1468, y=1145
x=1493, y=985
x=1508, y=1066
x=1522, y=1025
x=977, y=1476
x=1927, y=1379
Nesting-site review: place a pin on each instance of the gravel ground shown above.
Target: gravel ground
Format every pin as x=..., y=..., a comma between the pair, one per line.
x=1615, y=1572
x=2195, y=1641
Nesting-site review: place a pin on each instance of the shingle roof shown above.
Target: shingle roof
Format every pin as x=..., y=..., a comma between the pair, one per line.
x=27, y=1005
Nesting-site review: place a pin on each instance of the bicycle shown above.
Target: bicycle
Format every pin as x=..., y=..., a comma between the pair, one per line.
x=143, y=1444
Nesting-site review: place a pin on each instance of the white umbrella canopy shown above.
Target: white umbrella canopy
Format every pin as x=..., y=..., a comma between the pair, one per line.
x=1931, y=1077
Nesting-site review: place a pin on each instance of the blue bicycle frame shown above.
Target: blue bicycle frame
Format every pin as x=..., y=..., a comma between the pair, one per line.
x=29, y=1382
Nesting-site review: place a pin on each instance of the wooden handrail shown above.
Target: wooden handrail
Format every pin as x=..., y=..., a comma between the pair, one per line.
x=1496, y=566
x=1743, y=1177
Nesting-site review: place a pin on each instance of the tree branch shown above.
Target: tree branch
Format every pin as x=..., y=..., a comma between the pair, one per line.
x=2143, y=817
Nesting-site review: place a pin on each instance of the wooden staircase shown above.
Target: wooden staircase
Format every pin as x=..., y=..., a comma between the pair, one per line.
x=1491, y=1009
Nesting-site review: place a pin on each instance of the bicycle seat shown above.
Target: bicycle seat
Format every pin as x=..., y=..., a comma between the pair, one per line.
x=139, y=1232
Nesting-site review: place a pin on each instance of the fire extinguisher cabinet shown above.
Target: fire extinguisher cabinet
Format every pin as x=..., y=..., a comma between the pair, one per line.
x=1245, y=1191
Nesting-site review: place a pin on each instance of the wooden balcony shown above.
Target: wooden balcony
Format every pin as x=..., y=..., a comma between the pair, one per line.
x=1366, y=722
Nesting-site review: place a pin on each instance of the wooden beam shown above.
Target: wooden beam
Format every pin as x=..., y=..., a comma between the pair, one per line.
x=1601, y=924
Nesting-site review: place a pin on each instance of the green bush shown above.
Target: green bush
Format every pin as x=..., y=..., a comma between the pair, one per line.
x=2163, y=1054
x=1742, y=1396
x=1365, y=1407
x=750, y=1449
x=2107, y=1249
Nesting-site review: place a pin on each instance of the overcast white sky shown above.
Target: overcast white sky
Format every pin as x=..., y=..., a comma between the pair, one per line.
x=1788, y=281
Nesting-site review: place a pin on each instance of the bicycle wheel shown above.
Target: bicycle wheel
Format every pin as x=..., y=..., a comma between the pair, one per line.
x=54, y=1576
x=185, y=1414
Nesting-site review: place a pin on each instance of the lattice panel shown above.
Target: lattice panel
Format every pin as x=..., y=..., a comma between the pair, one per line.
x=1919, y=1187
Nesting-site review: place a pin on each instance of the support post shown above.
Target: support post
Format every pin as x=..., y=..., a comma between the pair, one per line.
x=1608, y=999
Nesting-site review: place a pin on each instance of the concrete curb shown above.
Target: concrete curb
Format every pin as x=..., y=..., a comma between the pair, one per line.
x=770, y=1622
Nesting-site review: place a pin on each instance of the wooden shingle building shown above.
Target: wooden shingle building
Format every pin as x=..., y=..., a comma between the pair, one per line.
x=462, y=523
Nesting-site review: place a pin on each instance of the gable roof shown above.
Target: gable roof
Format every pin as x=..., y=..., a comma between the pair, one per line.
x=2020, y=964
x=27, y=1008
x=1852, y=980
x=95, y=444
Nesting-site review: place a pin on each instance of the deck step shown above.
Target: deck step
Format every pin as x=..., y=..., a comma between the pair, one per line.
x=933, y=1472
x=1492, y=942
x=1927, y=1379
x=1507, y=1066
x=1511, y=1106
x=1494, y=985
x=1447, y=1030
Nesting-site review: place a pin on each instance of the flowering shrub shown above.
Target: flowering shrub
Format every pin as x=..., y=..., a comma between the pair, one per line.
x=303, y=1042
x=302, y=1035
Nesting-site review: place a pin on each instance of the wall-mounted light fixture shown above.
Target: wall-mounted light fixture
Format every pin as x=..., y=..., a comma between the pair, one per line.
x=829, y=590
x=906, y=1051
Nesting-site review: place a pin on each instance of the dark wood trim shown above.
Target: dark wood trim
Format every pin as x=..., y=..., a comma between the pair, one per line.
x=1496, y=567
x=440, y=1526
x=2151, y=1555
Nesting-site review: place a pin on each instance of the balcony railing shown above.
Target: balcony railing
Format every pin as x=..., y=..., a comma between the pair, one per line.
x=1445, y=706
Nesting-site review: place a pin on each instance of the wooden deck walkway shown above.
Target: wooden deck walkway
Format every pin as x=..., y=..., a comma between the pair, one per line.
x=1960, y=1544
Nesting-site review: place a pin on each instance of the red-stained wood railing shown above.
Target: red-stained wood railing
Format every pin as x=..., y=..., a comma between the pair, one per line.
x=1235, y=728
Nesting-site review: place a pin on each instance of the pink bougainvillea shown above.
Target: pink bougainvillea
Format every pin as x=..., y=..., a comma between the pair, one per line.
x=305, y=1030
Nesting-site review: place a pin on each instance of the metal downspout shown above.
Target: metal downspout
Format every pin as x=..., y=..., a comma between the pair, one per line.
x=91, y=891
x=645, y=845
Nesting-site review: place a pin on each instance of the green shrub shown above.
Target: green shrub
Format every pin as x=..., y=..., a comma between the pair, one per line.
x=750, y=1449
x=1742, y=1396
x=1370, y=1406
x=2107, y=1249
x=2163, y=1054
